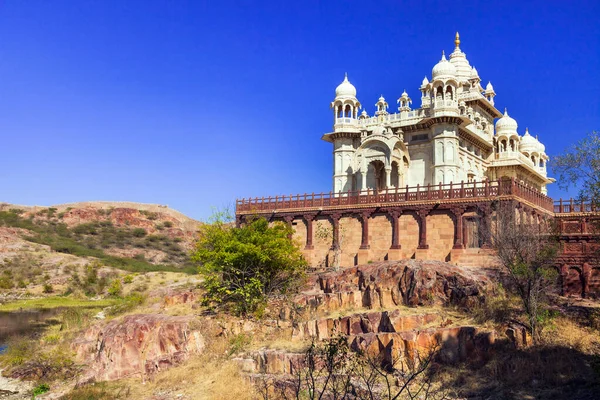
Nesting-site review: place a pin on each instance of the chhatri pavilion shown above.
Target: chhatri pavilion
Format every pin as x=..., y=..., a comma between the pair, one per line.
x=451, y=137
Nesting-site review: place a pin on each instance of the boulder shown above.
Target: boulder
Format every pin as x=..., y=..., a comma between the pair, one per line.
x=136, y=345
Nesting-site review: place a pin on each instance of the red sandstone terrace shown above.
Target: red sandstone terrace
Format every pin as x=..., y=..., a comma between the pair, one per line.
x=441, y=222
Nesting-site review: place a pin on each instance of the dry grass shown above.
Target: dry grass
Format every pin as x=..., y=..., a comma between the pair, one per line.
x=567, y=333
x=209, y=376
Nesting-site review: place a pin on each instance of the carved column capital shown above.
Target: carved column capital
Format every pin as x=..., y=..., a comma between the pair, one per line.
x=309, y=216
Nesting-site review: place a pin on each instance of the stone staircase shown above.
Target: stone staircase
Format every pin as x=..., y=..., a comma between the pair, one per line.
x=401, y=320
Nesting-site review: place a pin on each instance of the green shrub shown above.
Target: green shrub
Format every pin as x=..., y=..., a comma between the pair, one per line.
x=243, y=266
x=168, y=224
x=116, y=288
x=40, y=389
x=48, y=288
x=139, y=232
x=128, y=279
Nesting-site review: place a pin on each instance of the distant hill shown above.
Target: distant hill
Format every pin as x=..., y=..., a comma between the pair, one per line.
x=129, y=236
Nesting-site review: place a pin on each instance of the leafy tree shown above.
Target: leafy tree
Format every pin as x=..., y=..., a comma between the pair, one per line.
x=243, y=266
x=581, y=165
x=526, y=250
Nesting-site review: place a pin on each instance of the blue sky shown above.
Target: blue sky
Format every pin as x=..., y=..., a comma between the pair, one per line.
x=195, y=103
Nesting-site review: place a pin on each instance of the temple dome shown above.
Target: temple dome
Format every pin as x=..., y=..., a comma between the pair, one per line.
x=345, y=89
x=528, y=143
x=443, y=69
x=506, y=124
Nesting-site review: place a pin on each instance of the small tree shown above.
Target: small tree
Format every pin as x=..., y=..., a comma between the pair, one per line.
x=581, y=165
x=243, y=266
x=526, y=251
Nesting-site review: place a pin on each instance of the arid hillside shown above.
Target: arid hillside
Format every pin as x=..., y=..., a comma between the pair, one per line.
x=46, y=245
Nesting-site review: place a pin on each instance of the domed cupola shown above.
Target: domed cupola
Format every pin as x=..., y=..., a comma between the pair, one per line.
x=345, y=106
x=459, y=60
x=345, y=89
x=528, y=143
x=443, y=69
x=506, y=124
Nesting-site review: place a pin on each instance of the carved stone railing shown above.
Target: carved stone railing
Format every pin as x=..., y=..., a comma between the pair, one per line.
x=484, y=190
x=575, y=206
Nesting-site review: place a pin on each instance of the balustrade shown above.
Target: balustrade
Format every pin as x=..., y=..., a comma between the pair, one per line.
x=440, y=192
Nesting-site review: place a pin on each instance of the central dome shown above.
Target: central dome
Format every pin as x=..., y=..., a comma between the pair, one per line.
x=345, y=89
x=443, y=69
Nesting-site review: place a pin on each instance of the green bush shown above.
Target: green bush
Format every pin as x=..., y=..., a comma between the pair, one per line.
x=139, y=232
x=40, y=389
x=48, y=288
x=116, y=288
x=243, y=266
x=168, y=224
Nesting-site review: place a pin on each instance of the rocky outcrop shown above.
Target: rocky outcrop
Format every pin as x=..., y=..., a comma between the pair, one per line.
x=392, y=283
x=137, y=345
x=401, y=349
x=356, y=324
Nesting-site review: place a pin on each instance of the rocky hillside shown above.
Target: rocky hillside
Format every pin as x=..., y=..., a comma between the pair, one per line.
x=45, y=245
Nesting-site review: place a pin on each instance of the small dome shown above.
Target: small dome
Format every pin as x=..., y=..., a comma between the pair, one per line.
x=404, y=94
x=531, y=144
x=528, y=143
x=364, y=113
x=489, y=87
x=381, y=99
x=345, y=89
x=425, y=82
x=443, y=69
x=474, y=73
x=506, y=124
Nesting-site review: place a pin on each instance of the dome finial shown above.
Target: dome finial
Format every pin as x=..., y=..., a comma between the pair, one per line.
x=505, y=112
x=457, y=40
x=345, y=76
x=443, y=55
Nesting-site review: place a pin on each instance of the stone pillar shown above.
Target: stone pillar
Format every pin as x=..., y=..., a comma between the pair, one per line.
x=388, y=177
x=459, y=242
x=363, y=180
x=288, y=220
x=486, y=213
x=364, y=216
x=564, y=273
x=363, y=252
x=422, y=214
x=335, y=222
x=238, y=221
x=395, y=252
x=586, y=275
x=309, y=218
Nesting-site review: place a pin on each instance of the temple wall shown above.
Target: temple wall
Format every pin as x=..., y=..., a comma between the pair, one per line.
x=440, y=235
x=351, y=237
x=578, y=261
x=380, y=237
x=409, y=234
x=322, y=239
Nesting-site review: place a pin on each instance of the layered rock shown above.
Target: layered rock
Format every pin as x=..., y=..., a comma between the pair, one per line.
x=137, y=345
x=392, y=283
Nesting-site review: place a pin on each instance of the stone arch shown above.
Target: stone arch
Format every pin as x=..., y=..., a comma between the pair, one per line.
x=376, y=175
x=574, y=281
